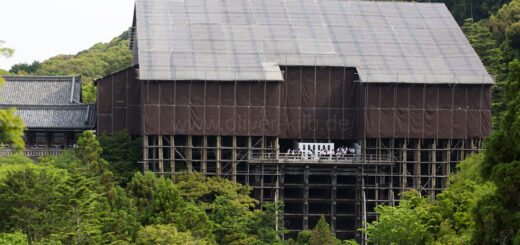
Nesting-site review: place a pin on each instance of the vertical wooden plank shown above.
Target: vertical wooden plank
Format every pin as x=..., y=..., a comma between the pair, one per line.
x=189, y=154
x=161, y=155
x=234, y=160
x=277, y=148
x=306, y=198
x=145, y=153
x=404, y=164
x=204, y=163
x=417, y=165
x=433, y=169
x=172, y=154
x=219, y=156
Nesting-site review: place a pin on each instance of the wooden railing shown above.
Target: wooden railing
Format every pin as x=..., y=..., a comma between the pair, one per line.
x=32, y=152
x=309, y=157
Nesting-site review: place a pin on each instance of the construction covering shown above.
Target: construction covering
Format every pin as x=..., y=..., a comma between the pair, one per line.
x=312, y=103
x=238, y=40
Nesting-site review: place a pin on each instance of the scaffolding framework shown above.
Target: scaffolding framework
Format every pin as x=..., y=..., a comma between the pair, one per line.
x=343, y=190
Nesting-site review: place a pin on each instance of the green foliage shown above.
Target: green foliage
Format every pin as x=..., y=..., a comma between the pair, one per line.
x=7, y=52
x=13, y=238
x=164, y=235
x=321, y=234
x=100, y=60
x=11, y=129
x=15, y=159
x=88, y=153
x=118, y=217
x=304, y=237
x=165, y=201
x=31, y=201
x=141, y=189
x=409, y=223
x=123, y=153
x=24, y=68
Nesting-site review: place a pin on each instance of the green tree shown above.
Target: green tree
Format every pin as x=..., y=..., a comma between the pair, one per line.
x=83, y=226
x=456, y=203
x=24, y=68
x=165, y=235
x=411, y=222
x=118, y=217
x=141, y=190
x=31, y=200
x=11, y=126
x=88, y=153
x=322, y=235
x=13, y=238
x=166, y=201
x=122, y=152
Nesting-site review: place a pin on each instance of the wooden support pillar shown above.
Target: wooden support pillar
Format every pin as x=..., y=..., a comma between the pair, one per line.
x=282, y=181
x=447, y=163
x=404, y=164
x=161, y=155
x=262, y=185
x=219, y=156
x=145, y=154
x=462, y=149
x=154, y=153
x=277, y=147
x=172, y=154
x=262, y=151
x=189, y=154
x=334, y=184
x=391, y=189
x=249, y=148
x=204, y=163
x=234, y=161
x=379, y=150
x=306, y=198
x=417, y=166
x=433, y=174
x=364, y=151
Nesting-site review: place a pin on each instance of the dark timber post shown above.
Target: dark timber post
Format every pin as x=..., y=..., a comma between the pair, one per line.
x=172, y=154
x=219, y=155
x=189, y=154
x=161, y=155
x=145, y=153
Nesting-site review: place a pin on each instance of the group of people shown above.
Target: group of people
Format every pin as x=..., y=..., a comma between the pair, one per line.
x=341, y=151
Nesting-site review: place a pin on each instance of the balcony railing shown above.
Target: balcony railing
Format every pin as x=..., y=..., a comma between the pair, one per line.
x=32, y=152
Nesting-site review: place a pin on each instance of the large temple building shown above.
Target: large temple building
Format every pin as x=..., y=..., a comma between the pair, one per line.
x=331, y=106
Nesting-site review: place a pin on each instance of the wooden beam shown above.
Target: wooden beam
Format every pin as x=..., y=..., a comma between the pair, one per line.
x=172, y=154
x=219, y=156
x=161, y=155
x=145, y=154
x=189, y=154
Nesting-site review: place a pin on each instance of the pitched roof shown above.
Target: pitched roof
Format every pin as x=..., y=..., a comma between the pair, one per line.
x=81, y=116
x=48, y=102
x=41, y=90
x=249, y=40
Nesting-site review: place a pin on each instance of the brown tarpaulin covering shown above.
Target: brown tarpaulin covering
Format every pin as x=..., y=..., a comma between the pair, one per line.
x=312, y=103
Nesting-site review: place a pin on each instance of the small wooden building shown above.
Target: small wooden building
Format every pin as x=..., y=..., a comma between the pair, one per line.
x=51, y=109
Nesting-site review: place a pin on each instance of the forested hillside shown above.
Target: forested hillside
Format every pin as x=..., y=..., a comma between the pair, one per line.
x=95, y=62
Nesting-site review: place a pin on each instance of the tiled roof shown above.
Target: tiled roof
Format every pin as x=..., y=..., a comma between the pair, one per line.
x=48, y=102
x=81, y=116
x=40, y=90
x=248, y=40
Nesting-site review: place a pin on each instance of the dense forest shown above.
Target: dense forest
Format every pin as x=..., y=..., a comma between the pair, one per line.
x=96, y=194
